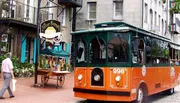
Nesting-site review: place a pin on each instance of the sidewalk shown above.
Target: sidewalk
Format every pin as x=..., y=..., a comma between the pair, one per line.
x=26, y=93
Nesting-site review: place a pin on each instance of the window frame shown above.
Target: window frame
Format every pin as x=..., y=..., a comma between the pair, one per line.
x=101, y=40
x=89, y=6
x=145, y=12
x=63, y=17
x=155, y=18
x=151, y=18
x=5, y=43
x=27, y=9
x=123, y=47
x=114, y=10
x=162, y=26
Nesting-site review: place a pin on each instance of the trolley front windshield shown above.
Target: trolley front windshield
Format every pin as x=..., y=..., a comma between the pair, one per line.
x=101, y=48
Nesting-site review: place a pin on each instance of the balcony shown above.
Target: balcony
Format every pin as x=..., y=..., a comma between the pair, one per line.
x=71, y=3
x=17, y=11
x=21, y=12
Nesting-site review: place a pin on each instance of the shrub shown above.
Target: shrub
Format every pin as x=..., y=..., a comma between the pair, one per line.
x=20, y=69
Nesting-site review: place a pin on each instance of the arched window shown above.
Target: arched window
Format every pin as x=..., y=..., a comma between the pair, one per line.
x=151, y=18
x=97, y=50
x=162, y=28
x=81, y=51
x=118, y=50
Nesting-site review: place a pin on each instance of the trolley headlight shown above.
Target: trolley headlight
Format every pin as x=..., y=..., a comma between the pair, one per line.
x=80, y=77
x=97, y=77
x=118, y=78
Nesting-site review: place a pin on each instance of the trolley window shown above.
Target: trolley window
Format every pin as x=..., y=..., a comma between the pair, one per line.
x=81, y=51
x=118, y=49
x=97, y=51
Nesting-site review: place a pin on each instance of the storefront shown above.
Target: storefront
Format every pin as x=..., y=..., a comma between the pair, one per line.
x=19, y=38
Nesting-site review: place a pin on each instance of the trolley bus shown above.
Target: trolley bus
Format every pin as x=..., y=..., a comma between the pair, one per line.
x=116, y=61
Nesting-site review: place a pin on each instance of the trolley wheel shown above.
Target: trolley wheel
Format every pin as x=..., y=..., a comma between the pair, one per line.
x=141, y=96
x=60, y=80
x=170, y=91
x=44, y=79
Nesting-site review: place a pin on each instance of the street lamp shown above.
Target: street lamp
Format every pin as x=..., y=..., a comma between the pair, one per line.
x=37, y=42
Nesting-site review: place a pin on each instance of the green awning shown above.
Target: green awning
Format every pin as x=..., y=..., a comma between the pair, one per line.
x=51, y=52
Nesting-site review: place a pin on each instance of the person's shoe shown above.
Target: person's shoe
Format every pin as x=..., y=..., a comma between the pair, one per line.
x=2, y=98
x=11, y=96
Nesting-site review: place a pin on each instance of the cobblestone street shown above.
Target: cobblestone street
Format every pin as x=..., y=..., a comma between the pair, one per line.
x=161, y=98
x=26, y=93
x=158, y=98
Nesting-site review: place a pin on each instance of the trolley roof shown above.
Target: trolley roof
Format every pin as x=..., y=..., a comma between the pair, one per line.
x=117, y=26
x=121, y=27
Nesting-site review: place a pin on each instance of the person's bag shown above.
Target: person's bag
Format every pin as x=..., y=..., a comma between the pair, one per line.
x=14, y=84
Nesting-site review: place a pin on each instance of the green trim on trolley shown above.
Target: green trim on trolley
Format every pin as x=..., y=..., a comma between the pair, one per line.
x=106, y=31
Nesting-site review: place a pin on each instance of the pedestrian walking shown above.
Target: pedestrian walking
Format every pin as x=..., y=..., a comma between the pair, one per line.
x=6, y=74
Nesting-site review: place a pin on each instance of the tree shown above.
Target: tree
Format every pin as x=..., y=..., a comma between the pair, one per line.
x=176, y=8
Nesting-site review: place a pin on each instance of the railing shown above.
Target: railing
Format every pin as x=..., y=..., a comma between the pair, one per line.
x=22, y=12
x=76, y=3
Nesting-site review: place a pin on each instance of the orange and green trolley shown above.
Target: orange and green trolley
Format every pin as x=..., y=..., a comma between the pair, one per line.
x=116, y=61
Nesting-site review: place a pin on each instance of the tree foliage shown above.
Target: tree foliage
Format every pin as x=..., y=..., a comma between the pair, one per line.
x=176, y=8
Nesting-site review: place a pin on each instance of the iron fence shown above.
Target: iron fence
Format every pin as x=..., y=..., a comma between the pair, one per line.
x=22, y=12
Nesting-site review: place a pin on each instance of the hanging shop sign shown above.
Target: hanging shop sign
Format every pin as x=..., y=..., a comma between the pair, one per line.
x=51, y=29
x=51, y=23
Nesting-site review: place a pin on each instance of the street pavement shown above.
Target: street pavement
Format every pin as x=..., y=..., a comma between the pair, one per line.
x=26, y=93
x=162, y=98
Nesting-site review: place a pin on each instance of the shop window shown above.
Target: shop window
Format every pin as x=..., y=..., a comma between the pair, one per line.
x=4, y=43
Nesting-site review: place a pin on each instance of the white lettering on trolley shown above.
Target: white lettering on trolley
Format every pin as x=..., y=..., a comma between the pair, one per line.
x=119, y=70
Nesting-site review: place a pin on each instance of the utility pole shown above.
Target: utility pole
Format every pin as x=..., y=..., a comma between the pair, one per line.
x=37, y=42
x=72, y=40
